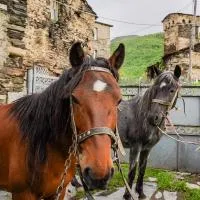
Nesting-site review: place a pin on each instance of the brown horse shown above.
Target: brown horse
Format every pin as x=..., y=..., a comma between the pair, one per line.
x=38, y=132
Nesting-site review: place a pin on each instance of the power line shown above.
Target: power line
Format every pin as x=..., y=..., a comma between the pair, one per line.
x=142, y=29
x=127, y=22
x=111, y=19
x=122, y=21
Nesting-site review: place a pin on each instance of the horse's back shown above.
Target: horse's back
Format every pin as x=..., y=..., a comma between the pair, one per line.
x=127, y=120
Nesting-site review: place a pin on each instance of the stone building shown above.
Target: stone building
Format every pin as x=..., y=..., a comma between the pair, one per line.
x=101, y=39
x=39, y=33
x=177, y=34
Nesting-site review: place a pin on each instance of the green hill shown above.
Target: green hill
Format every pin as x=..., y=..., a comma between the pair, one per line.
x=141, y=52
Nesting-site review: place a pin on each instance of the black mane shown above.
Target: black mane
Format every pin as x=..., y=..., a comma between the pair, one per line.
x=45, y=118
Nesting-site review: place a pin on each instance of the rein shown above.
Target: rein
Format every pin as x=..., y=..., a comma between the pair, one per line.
x=78, y=138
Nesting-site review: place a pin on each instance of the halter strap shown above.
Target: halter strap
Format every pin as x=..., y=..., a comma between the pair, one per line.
x=97, y=131
x=99, y=69
x=162, y=102
x=167, y=103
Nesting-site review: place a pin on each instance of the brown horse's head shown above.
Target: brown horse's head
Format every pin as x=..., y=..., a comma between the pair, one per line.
x=95, y=100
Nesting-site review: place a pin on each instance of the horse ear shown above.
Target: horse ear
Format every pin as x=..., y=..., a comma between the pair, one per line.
x=153, y=71
x=177, y=71
x=117, y=59
x=76, y=55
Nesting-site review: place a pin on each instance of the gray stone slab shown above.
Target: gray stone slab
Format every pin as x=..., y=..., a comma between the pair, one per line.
x=5, y=195
x=158, y=195
x=170, y=195
x=189, y=158
x=149, y=190
x=192, y=110
x=164, y=154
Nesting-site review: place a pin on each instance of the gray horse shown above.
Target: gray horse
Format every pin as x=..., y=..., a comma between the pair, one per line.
x=139, y=119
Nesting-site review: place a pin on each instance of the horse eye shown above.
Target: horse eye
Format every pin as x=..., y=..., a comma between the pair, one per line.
x=171, y=91
x=119, y=101
x=75, y=100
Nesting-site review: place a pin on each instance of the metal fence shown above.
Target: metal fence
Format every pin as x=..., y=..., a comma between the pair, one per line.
x=168, y=153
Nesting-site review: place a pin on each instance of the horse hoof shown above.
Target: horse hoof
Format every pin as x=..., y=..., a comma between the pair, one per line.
x=127, y=196
x=142, y=196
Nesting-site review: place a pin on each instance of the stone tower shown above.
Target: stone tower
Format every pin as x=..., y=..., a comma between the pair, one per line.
x=177, y=31
x=177, y=34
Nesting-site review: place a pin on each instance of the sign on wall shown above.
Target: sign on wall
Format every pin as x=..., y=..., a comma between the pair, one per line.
x=39, y=79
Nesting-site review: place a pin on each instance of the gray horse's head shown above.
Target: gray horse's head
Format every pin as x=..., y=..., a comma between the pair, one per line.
x=163, y=95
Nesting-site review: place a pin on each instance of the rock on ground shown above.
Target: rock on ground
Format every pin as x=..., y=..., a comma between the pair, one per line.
x=192, y=186
x=149, y=190
x=170, y=195
x=158, y=195
x=5, y=195
x=152, y=179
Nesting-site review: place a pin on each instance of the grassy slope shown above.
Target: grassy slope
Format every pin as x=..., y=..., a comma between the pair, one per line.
x=141, y=51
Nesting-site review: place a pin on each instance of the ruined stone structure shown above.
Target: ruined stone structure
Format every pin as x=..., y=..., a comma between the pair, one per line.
x=39, y=33
x=101, y=39
x=177, y=34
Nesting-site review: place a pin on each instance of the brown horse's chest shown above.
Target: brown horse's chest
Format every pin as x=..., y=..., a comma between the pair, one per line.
x=14, y=174
x=51, y=175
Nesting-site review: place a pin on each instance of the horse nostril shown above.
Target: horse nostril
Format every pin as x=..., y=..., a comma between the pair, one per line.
x=87, y=172
x=156, y=118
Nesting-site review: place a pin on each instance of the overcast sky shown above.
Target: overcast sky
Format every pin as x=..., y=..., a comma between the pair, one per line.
x=150, y=12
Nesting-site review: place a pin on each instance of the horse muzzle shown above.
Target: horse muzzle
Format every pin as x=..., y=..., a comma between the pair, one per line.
x=95, y=183
x=155, y=119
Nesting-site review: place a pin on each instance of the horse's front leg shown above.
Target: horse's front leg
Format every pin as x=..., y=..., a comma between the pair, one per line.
x=27, y=195
x=142, y=167
x=132, y=169
x=53, y=197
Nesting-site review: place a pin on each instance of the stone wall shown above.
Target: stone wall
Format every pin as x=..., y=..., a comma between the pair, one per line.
x=48, y=42
x=177, y=34
x=181, y=58
x=12, y=33
x=29, y=36
x=102, y=43
x=3, y=45
x=170, y=39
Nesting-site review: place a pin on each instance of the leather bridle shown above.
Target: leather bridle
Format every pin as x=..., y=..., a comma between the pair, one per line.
x=169, y=104
x=95, y=130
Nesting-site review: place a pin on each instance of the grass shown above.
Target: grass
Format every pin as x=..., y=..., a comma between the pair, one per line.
x=196, y=83
x=141, y=52
x=166, y=180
